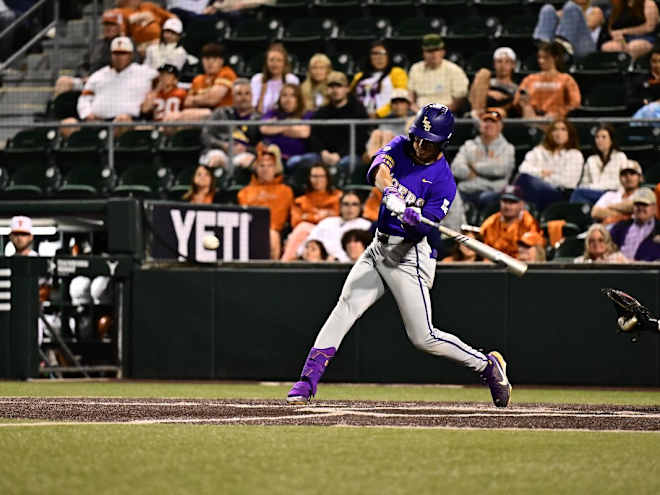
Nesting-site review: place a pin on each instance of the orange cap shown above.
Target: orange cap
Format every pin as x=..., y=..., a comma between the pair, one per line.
x=531, y=239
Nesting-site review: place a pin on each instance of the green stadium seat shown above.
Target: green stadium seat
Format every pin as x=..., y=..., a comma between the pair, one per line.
x=142, y=181
x=181, y=183
x=569, y=249
x=182, y=149
x=135, y=146
x=89, y=180
x=578, y=214
x=30, y=182
x=30, y=146
x=85, y=145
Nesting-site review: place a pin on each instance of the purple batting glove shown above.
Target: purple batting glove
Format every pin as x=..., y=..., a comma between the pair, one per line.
x=412, y=216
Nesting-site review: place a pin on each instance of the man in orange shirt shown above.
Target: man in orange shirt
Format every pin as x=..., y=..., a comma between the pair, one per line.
x=166, y=97
x=145, y=20
x=266, y=189
x=209, y=90
x=504, y=229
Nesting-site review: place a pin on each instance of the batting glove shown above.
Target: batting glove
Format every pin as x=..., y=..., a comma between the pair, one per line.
x=411, y=216
x=393, y=200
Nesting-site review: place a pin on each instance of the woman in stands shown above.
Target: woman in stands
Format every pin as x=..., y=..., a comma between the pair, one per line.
x=632, y=26
x=291, y=139
x=267, y=84
x=314, y=88
x=202, y=189
x=599, y=247
x=553, y=168
x=320, y=201
x=460, y=253
x=550, y=93
x=601, y=170
x=314, y=252
x=266, y=189
x=169, y=50
x=374, y=85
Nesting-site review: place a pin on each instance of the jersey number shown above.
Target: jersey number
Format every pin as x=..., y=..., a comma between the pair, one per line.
x=163, y=107
x=445, y=206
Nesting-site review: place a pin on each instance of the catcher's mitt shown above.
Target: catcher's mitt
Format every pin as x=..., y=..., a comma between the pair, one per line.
x=632, y=315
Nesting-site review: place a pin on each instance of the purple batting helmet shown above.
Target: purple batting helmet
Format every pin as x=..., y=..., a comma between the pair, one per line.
x=433, y=122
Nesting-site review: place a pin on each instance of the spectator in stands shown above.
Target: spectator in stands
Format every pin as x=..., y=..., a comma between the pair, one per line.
x=460, y=253
x=333, y=148
x=113, y=25
x=639, y=237
x=267, y=84
x=436, y=80
x=314, y=252
x=166, y=97
x=330, y=230
x=503, y=230
x=116, y=92
x=649, y=111
x=145, y=20
x=601, y=170
x=599, y=247
x=576, y=26
x=551, y=93
x=202, y=188
x=21, y=237
x=169, y=50
x=632, y=26
x=291, y=139
x=553, y=168
x=315, y=88
x=354, y=242
x=216, y=139
x=321, y=200
x=483, y=165
x=266, y=189
x=531, y=248
x=643, y=89
x=400, y=109
x=372, y=205
x=374, y=85
x=614, y=206
x=498, y=91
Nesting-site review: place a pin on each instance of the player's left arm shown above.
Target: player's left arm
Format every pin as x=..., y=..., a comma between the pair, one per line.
x=435, y=209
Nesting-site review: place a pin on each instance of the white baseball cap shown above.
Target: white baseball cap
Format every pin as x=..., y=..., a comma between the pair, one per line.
x=504, y=51
x=21, y=224
x=121, y=44
x=173, y=24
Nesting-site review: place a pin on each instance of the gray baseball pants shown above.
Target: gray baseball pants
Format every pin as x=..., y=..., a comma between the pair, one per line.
x=409, y=283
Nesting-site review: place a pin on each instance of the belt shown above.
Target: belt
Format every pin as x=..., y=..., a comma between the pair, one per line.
x=389, y=239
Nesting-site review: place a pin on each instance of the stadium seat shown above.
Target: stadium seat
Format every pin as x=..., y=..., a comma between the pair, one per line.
x=288, y=9
x=586, y=133
x=640, y=143
x=357, y=32
x=308, y=34
x=181, y=183
x=4, y=178
x=143, y=181
x=469, y=35
x=135, y=146
x=88, y=180
x=229, y=195
x=480, y=60
x=338, y=9
x=567, y=250
x=30, y=182
x=251, y=33
x=343, y=62
x=182, y=149
x=30, y=146
x=392, y=9
x=575, y=213
x=600, y=68
x=400, y=59
x=407, y=34
x=529, y=65
x=603, y=100
x=651, y=175
x=516, y=31
x=490, y=8
x=202, y=30
x=522, y=137
x=450, y=9
x=85, y=144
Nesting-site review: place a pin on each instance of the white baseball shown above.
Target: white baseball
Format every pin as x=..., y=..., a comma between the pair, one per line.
x=211, y=242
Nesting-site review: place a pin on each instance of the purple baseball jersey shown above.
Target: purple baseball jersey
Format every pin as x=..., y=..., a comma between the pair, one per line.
x=429, y=187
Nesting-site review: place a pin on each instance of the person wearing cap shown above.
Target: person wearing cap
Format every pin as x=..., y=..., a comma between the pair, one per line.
x=169, y=50
x=531, y=248
x=601, y=170
x=166, y=97
x=599, y=247
x=117, y=91
x=577, y=25
x=374, y=85
x=21, y=236
x=436, y=80
x=483, y=165
x=267, y=189
x=145, y=21
x=333, y=148
x=503, y=230
x=614, y=206
x=639, y=237
x=498, y=91
x=400, y=108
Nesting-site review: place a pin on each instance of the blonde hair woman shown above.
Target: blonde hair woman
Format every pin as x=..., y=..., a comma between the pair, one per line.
x=599, y=247
x=314, y=87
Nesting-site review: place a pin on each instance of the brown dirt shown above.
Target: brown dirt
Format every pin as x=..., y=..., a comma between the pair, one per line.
x=333, y=413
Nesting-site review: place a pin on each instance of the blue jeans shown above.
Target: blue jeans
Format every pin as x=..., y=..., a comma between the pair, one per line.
x=572, y=26
x=538, y=191
x=584, y=195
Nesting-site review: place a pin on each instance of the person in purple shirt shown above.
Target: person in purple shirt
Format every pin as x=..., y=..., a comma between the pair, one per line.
x=416, y=181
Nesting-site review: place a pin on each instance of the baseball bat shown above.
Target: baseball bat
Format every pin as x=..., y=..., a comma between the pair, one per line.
x=513, y=265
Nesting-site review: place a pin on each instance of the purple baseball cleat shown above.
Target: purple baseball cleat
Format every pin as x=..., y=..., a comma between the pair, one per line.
x=303, y=390
x=494, y=375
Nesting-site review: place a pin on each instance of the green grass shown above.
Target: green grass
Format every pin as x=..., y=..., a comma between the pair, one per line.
x=298, y=460
x=326, y=392
x=200, y=459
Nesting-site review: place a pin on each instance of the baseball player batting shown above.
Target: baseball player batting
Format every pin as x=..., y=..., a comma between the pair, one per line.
x=416, y=180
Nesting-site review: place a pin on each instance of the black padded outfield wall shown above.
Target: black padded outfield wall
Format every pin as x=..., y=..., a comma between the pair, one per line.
x=553, y=325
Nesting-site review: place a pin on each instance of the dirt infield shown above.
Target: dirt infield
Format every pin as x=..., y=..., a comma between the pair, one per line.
x=331, y=413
